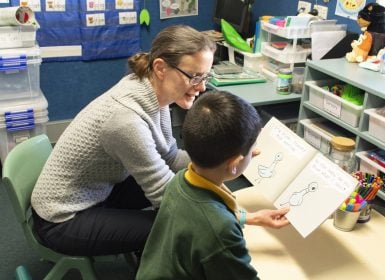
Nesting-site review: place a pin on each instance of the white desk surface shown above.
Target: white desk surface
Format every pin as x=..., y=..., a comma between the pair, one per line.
x=327, y=253
x=259, y=94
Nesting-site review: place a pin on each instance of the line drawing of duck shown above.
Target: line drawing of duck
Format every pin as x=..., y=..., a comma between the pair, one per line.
x=296, y=198
x=269, y=171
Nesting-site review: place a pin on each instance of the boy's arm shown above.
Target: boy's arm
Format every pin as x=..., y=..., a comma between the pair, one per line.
x=268, y=218
x=265, y=217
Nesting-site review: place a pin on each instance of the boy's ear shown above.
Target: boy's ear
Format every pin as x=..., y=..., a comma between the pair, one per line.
x=233, y=162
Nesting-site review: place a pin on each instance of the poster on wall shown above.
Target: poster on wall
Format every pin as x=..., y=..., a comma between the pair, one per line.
x=178, y=8
x=349, y=8
x=86, y=29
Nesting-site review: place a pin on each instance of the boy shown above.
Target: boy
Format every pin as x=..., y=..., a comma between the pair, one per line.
x=198, y=230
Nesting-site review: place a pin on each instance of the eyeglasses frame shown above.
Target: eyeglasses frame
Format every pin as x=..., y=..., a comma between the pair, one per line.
x=201, y=78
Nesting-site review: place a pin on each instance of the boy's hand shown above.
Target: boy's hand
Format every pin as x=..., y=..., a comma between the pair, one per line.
x=268, y=218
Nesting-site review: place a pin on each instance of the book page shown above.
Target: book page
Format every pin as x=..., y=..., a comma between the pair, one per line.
x=283, y=155
x=315, y=194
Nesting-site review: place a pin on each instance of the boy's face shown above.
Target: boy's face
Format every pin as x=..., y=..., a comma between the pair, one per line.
x=246, y=159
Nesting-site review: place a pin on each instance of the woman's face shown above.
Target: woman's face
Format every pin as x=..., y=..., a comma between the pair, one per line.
x=177, y=87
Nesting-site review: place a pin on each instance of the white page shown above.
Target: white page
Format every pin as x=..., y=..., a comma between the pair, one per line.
x=315, y=194
x=283, y=155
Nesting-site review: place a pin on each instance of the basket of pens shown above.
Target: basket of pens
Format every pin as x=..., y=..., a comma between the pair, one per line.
x=346, y=216
x=368, y=187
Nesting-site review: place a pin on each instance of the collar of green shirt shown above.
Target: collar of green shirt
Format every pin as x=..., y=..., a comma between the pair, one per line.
x=198, y=181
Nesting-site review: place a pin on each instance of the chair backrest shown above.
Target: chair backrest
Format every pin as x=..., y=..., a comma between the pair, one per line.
x=21, y=169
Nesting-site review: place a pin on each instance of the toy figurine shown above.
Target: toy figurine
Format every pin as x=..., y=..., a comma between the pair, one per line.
x=360, y=48
x=372, y=19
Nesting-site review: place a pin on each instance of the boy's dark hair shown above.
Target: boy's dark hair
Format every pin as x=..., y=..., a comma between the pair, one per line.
x=218, y=126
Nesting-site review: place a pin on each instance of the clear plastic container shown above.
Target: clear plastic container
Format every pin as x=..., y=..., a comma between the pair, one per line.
x=298, y=79
x=19, y=73
x=342, y=153
x=21, y=36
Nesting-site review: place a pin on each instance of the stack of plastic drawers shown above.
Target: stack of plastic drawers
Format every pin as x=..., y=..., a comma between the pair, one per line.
x=23, y=107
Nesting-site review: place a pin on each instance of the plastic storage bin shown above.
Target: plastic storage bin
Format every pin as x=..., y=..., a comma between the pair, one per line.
x=20, y=121
x=318, y=138
x=318, y=132
x=19, y=73
x=252, y=61
x=287, y=32
x=369, y=166
x=22, y=36
x=293, y=32
x=376, y=123
x=333, y=104
x=287, y=55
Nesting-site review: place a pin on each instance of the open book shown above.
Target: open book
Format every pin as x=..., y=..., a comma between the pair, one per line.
x=290, y=172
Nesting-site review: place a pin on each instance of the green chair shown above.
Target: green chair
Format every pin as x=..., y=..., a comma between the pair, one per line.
x=21, y=169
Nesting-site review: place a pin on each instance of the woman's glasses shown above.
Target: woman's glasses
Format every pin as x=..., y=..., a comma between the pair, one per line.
x=196, y=79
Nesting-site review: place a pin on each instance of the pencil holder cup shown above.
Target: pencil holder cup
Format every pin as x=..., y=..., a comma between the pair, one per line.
x=345, y=220
x=365, y=214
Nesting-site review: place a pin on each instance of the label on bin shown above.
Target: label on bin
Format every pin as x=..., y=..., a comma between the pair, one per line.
x=19, y=115
x=333, y=107
x=13, y=64
x=18, y=128
x=20, y=124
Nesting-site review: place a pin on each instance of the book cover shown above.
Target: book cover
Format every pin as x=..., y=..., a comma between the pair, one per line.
x=290, y=172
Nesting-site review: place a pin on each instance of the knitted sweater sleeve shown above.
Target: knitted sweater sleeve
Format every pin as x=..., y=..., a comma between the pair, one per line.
x=146, y=153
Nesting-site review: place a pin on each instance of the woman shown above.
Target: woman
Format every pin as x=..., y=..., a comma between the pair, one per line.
x=117, y=155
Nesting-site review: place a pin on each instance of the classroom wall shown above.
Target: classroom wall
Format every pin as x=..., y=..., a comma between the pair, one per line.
x=69, y=86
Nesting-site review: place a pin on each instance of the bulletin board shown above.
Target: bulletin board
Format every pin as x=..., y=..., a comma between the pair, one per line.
x=103, y=28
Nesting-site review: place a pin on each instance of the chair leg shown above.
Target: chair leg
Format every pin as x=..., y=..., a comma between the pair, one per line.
x=132, y=261
x=22, y=273
x=84, y=265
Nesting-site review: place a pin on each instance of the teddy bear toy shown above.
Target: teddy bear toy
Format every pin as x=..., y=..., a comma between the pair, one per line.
x=360, y=48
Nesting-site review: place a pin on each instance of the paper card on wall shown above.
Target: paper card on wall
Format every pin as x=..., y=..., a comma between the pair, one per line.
x=128, y=18
x=55, y=5
x=35, y=5
x=96, y=5
x=95, y=19
x=124, y=4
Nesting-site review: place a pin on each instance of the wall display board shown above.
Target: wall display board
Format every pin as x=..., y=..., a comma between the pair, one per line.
x=101, y=29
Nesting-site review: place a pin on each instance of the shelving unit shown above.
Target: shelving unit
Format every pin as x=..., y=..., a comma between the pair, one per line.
x=272, y=33
x=372, y=83
x=292, y=54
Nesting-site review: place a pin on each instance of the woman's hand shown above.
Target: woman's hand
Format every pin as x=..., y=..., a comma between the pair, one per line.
x=268, y=218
